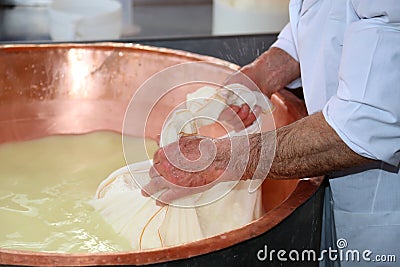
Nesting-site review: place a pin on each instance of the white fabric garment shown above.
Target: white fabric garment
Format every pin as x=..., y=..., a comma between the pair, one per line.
x=349, y=53
x=229, y=204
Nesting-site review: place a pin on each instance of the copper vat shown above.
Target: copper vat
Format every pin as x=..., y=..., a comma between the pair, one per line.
x=80, y=88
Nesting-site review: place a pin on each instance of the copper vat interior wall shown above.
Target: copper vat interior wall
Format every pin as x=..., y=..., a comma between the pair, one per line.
x=76, y=88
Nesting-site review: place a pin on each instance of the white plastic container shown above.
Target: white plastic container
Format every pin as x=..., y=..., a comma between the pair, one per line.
x=79, y=20
x=249, y=16
x=128, y=28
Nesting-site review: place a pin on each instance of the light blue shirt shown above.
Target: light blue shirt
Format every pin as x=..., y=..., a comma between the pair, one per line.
x=349, y=53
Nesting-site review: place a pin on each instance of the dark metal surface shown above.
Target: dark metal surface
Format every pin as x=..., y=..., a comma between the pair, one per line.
x=240, y=49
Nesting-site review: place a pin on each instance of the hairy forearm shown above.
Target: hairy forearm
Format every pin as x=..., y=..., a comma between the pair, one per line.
x=306, y=148
x=273, y=70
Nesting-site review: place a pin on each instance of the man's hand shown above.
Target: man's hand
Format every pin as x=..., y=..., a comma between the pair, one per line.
x=271, y=72
x=188, y=166
x=240, y=117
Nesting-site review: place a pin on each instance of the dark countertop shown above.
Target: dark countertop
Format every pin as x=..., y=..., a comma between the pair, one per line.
x=240, y=50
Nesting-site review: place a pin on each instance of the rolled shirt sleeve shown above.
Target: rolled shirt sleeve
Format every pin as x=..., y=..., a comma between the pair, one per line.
x=365, y=112
x=286, y=43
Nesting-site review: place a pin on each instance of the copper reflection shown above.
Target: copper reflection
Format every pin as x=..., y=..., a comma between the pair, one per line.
x=79, y=88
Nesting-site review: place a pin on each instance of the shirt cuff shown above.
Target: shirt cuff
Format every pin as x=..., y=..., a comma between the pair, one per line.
x=285, y=42
x=365, y=129
x=295, y=84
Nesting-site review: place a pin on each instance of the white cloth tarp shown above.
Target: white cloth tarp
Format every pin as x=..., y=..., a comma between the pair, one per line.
x=146, y=225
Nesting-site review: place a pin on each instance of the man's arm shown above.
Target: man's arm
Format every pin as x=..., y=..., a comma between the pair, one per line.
x=273, y=70
x=306, y=148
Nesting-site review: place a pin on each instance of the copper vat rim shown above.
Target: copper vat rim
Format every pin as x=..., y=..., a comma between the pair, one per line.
x=304, y=189
x=134, y=46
